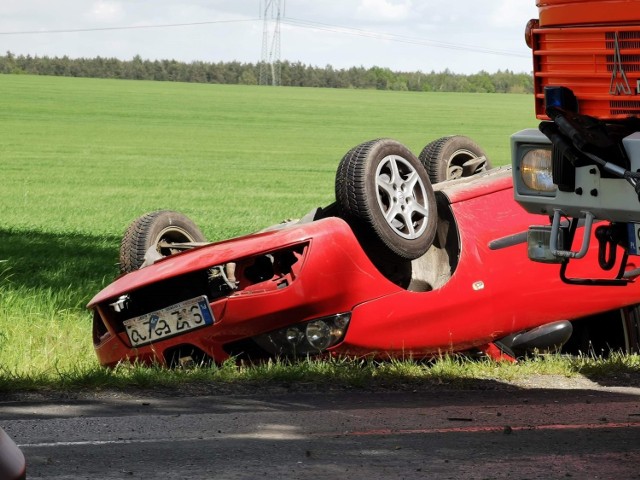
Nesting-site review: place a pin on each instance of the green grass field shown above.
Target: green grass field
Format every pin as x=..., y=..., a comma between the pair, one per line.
x=81, y=158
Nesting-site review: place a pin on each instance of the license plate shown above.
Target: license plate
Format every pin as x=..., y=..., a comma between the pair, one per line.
x=168, y=322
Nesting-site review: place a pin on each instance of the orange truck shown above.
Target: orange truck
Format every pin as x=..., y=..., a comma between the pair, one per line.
x=582, y=165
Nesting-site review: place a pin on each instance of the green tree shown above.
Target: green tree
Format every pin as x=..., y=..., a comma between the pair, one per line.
x=248, y=77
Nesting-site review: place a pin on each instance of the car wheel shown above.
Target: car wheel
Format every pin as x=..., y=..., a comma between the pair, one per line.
x=157, y=230
x=453, y=157
x=382, y=188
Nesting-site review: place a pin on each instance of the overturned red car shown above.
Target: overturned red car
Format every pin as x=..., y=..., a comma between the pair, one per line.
x=419, y=256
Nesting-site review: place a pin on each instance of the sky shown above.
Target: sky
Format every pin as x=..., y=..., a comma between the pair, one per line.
x=464, y=36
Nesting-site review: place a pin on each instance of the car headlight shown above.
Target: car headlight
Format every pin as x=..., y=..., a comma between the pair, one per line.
x=318, y=334
x=306, y=338
x=536, y=169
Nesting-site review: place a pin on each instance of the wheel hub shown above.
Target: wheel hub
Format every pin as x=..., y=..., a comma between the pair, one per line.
x=401, y=197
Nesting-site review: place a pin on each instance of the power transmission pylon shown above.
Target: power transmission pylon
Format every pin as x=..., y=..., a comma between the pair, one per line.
x=270, y=64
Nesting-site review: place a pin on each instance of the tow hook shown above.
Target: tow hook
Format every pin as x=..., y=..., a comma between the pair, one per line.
x=606, y=259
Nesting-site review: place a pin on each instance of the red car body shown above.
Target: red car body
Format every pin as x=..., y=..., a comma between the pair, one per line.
x=474, y=286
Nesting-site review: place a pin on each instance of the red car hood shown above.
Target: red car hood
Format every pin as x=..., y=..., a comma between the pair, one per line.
x=226, y=251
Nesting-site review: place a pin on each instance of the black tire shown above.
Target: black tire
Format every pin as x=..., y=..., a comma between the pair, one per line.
x=400, y=212
x=631, y=319
x=453, y=157
x=159, y=229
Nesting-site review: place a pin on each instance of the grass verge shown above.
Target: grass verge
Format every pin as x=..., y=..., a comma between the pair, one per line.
x=324, y=374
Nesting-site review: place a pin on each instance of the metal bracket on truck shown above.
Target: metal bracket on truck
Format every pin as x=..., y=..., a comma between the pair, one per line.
x=560, y=171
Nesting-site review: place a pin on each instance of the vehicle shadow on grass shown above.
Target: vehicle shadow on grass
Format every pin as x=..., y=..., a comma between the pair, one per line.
x=618, y=376
x=67, y=268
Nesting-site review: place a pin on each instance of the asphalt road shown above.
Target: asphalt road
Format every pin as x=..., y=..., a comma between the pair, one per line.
x=489, y=432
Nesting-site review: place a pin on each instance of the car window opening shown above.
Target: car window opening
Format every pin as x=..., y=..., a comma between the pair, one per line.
x=271, y=271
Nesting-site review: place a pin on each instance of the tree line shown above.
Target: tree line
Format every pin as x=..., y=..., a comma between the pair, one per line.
x=291, y=74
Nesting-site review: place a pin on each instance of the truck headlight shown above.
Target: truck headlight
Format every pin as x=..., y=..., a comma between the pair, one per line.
x=536, y=169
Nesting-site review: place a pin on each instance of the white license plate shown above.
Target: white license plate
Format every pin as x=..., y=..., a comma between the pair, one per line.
x=174, y=320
